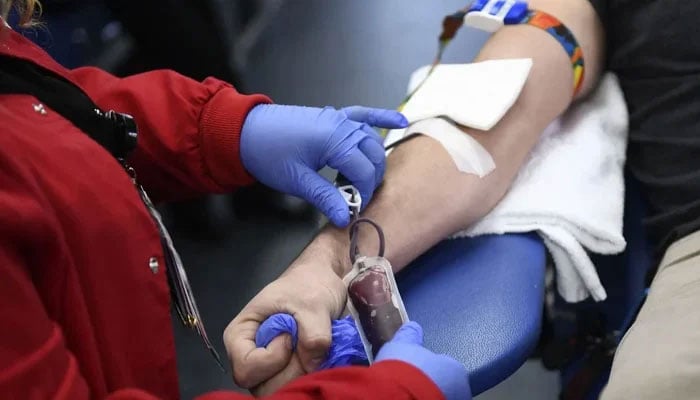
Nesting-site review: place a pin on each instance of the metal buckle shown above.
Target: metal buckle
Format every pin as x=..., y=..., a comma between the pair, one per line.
x=126, y=132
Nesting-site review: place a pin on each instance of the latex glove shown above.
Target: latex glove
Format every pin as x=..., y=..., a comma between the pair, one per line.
x=284, y=147
x=447, y=373
x=275, y=325
x=346, y=346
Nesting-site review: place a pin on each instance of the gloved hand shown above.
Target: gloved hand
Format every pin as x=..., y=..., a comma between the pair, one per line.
x=447, y=373
x=346, y=346
x=285, y=146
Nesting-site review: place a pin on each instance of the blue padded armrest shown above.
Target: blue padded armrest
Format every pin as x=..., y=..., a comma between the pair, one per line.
x=479, y=300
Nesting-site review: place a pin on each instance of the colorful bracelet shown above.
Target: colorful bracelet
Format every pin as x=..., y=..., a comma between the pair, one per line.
x=564, y=36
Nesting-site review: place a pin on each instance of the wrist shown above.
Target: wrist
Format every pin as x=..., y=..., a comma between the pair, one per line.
x=220, y=130
x=329, y=250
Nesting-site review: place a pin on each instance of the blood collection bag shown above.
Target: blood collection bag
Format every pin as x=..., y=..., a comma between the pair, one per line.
x=374, y=302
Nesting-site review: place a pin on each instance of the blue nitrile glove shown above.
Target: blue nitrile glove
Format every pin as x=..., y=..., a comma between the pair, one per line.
x=274, y=326
x=346, y=345
x=283, y=147
x=447, y=373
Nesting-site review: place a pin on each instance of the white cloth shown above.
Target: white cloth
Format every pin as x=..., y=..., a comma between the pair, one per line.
x=571, y=191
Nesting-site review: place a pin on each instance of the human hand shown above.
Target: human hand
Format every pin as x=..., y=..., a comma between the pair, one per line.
x=285, y=146
x=314, y=296
x=448, y=374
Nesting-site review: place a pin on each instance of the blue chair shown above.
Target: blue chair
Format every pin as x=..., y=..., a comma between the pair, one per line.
x=480, y=300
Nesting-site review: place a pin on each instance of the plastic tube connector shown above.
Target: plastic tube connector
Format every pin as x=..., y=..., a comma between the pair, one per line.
x=491, y=15
x=352, y=198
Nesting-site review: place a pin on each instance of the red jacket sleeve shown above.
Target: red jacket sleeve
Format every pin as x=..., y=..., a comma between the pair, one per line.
x=393, y=380
x=385, y=380
x=189, y=132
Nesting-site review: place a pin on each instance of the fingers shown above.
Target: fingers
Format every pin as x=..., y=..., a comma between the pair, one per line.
x=314, y=338
x=375, y=154
x=293, y=371
x=410, y=332
x=359, y=170
x=378, y=117
x=372, y=134
x=252, y=364
x=324, y=196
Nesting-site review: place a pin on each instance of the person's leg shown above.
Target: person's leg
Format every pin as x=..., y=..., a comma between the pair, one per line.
x=659, y=357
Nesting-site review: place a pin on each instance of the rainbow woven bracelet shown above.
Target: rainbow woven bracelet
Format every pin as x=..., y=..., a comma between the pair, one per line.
x=564, y=36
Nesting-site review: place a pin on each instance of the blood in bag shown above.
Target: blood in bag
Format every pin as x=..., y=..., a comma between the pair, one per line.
x=375, y=302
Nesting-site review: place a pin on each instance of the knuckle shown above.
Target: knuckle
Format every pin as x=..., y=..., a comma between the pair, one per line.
x=229, y=335
x=336, y=287
x=372, y=118
x=350, y=110
x=315, y=298
x=367, y=174
x=345, y=128
x=306, y=178
x=308, y=186
x=318, y=343
x=320, y=196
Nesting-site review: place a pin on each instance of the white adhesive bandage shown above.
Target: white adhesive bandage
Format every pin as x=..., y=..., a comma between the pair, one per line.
x=476, y=95
x=469, y=156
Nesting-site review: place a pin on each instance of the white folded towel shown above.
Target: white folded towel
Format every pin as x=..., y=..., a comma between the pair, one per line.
x=571, y=191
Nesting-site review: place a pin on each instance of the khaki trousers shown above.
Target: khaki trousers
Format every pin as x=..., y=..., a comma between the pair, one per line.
x=659, y=357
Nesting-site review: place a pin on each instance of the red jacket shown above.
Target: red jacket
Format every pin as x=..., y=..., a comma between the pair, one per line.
x=81, y=313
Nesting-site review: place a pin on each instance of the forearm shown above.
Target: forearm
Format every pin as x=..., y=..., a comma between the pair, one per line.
x=424, y=197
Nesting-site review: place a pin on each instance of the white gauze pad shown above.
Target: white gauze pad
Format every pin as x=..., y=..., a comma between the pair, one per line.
x=468, y=155
x=476, y=95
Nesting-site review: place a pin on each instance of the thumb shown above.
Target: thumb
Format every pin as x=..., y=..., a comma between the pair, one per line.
x=325, y=196
x=410, y=333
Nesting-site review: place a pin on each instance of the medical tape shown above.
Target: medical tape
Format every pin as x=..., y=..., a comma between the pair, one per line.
x=468, y=155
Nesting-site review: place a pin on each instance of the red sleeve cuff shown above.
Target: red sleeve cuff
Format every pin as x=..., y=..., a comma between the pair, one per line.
x=413, y=380
x=220, y=135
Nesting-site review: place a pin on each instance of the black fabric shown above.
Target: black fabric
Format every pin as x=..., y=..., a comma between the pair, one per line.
x=18, y=76
x=181, y=35
x=652, y=46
